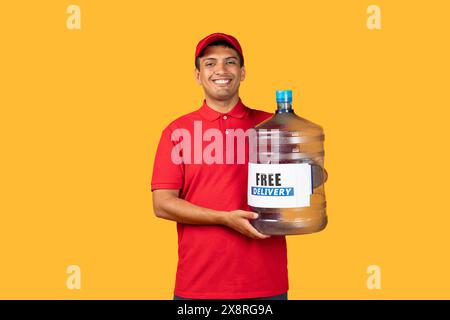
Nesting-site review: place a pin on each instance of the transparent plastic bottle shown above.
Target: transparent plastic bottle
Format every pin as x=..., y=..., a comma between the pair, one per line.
x=286, y=173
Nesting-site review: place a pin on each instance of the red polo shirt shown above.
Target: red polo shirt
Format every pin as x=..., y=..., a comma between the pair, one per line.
x=214, y=261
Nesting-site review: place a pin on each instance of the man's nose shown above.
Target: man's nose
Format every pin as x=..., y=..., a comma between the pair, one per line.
x=220, y=68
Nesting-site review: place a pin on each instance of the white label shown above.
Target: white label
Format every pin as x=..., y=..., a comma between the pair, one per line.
x=287, y=185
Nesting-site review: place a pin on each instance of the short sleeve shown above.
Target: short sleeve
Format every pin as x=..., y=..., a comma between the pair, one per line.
x=166, y=173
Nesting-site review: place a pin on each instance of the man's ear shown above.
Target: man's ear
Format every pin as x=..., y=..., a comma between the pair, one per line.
x=197, y=76
x=242, y=73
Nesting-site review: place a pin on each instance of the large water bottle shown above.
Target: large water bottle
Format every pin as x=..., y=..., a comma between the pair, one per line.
x=286, y=173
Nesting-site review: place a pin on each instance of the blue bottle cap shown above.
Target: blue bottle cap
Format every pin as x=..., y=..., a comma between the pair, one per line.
x=284, y=96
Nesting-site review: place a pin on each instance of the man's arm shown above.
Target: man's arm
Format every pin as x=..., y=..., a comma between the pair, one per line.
x=168, y=205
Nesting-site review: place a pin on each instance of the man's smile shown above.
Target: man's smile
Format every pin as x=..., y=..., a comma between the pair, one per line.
x=222, y=82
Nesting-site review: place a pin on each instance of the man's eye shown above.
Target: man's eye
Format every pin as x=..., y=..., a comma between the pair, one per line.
x=209, y=64
x=231, y=62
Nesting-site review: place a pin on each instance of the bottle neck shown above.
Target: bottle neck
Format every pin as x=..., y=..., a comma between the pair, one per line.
x=283, y=107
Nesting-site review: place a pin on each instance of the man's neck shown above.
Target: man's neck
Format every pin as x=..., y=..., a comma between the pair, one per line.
x=222, y=106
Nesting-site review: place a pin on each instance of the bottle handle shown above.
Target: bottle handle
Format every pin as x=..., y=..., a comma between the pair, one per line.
x=319, y=175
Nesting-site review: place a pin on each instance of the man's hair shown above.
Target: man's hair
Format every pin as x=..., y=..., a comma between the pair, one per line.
x=222, y=43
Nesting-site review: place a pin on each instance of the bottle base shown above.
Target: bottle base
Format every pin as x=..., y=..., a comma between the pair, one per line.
x=297, y=227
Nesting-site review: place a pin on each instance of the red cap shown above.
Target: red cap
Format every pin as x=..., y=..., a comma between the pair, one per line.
x=215, y=37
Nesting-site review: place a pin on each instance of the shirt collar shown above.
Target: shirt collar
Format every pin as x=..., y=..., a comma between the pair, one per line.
x=238, y=111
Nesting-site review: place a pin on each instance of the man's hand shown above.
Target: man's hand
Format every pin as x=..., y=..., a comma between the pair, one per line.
x=168, y=205
x=238, y=220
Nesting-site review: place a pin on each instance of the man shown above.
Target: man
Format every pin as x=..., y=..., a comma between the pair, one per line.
x=220, y=254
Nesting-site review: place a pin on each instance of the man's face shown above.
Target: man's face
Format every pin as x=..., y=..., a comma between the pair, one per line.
x=220, y=73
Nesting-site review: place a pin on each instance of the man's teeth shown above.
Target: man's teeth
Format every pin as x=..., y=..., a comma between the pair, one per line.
x=221, y=81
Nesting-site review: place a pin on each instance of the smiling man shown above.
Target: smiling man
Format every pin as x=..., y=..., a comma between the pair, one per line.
x=220, y=254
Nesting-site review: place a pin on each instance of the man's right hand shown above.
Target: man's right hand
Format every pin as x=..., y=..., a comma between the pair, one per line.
x=239, y=221
x=168, y=205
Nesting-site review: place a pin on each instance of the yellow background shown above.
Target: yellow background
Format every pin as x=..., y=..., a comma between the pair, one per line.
x=82, y=112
